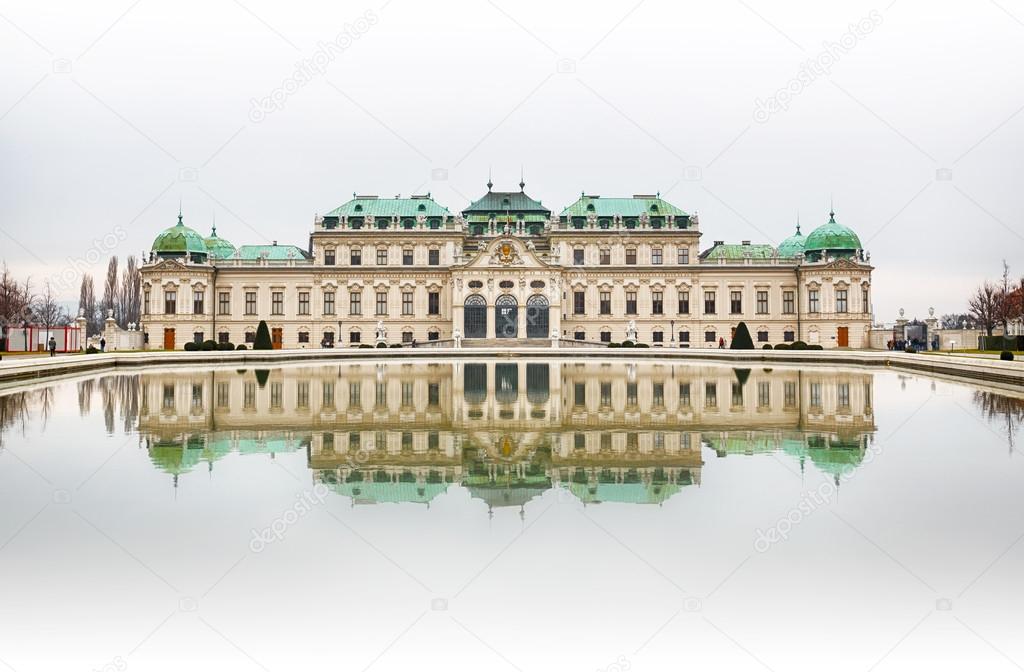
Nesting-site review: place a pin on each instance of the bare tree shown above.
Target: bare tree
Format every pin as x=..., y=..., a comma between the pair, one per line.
x=87, y=304
x=984, y=306
x=48, y=311
x=110, y=289
x=16, y=300
x=1004, y=307
x=957, y=321
x=130, y=296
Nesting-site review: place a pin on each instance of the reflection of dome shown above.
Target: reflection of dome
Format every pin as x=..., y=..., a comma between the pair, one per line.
x=831, y=239
x=793, y=245
x=218, y=247
x=179, y=241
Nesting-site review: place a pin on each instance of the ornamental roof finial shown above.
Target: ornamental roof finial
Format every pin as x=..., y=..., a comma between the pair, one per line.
x=489, y=183
x=798, y=223
x=213, y=231
x=522, y=182
x=179, y=212
x=831, y=210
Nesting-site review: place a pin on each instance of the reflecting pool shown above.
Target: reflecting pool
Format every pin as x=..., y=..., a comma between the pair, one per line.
x=510, y=514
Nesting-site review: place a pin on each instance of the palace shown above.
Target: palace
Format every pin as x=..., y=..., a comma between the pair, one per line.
x=507, y=270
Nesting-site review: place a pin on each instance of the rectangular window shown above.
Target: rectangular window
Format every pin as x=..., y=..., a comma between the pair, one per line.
x=198, y=302
x=762, y=301
x=434, y=257
x=382, y=256
x=277, y=303
x=579, y=394
x=579, y=335
x=170, y=302
x=843, y=395
x=788, y=336
x=606, y=337
x=354, y=337
x=406, y=337
x=197, y=337
x=224, y=337
x=355, y=303
x=579, y=303
x=735, y=302
x=684, y=337
x=684, y=303
x=328, y=303
x=865, y=305
x=224, y=303
x=329, y=258
x=683, y=255
x=656, y=256
x=789, y=394
x=433, y=303
x=328, y=341
x=406, y=257
x=710, y=395
x=303, y=303
x=764, y=394
x=813, y=303
x=303, y=337
x=145, y=302
x=250, y=303
x=433, y=335
x=658, y=336
x=709, y=337
x=709, y=303
x=577, y=256
x=657, y=303
x=815, y=395
x=684, y=394
x=762, y=337
x=406, y=303
x=355, y=257
x=382, y=303
x=631, y=255
x=606, y=303
x=788, y=302
x=630, y=303
x=606, y=256
x=841, y=304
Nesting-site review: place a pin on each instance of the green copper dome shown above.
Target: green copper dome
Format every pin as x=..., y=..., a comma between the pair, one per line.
x=179, y=241
x=793, y=245
x=831, y=239
x=218, y=247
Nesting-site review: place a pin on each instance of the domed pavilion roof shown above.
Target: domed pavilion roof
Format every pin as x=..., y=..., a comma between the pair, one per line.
x=793, y=245
x=218, y=247
x=831, y=238
x=179, y=240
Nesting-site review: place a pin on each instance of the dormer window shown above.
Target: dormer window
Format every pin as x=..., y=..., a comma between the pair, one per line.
x=358, y=208
x=654, y=207
x=505, y=203
x=421, y=208
x=590, y=207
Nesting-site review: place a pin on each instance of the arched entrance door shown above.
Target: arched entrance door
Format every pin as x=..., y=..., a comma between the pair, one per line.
x=475, y=317
x=537, y=316
x=506, y=317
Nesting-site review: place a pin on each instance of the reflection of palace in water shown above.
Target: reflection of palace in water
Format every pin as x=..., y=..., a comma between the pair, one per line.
x=507, y=431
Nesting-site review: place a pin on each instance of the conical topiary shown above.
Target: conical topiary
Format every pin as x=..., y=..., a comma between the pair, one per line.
x=262, y=341
x=741, y=339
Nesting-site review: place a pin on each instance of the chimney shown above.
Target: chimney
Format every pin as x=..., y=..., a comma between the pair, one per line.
x=719, y=242
x=745, y=242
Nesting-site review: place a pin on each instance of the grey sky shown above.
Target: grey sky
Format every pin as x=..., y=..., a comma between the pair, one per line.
x=111, y=112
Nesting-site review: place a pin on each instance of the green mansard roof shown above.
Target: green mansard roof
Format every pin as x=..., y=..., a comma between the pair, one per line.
x=624, y=207
x=273, y=252
x=362, y=206
x=498, y=202
x=721, y=250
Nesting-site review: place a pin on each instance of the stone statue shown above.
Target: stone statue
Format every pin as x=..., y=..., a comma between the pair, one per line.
x=631, y=331
x=457, y=337
x=382, y=332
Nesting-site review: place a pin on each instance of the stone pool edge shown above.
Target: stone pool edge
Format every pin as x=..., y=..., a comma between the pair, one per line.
x=1011, y=373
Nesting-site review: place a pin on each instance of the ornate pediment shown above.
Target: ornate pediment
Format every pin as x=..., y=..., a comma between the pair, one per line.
x=507, y=253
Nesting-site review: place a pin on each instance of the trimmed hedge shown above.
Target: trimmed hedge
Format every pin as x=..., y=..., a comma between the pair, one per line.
x=395, y=345
x=797, y=345
x=263, y=341
x=208, y=344
x=767, y=346
x=741, y=339
x=816, y=346
x=91, y=350
x=613, y=344
x=782, y=346
x=365, y=345
x=225, y=346
x=1006, y=356
x=641, y=345
x=241, y=346
x=628, y=344
x=382, y=345
x=191, y=346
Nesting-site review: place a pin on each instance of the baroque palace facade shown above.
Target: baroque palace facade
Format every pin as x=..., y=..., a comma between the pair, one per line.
x=507, y=270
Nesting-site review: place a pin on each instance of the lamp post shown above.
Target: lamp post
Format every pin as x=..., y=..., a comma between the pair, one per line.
x=672, y=327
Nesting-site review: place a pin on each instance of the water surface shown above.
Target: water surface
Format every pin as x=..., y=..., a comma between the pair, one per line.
x=510, y=515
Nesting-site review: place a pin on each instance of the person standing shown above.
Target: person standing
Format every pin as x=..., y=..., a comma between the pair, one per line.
x=103, y=345
x=721, y=342
x=52, y=346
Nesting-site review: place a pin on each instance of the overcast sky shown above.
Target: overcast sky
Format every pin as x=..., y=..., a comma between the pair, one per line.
x=907, y=114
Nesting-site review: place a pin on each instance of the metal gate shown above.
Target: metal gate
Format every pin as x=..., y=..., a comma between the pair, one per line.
x=506, y=317
x=475, y=317
x=537, y=316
